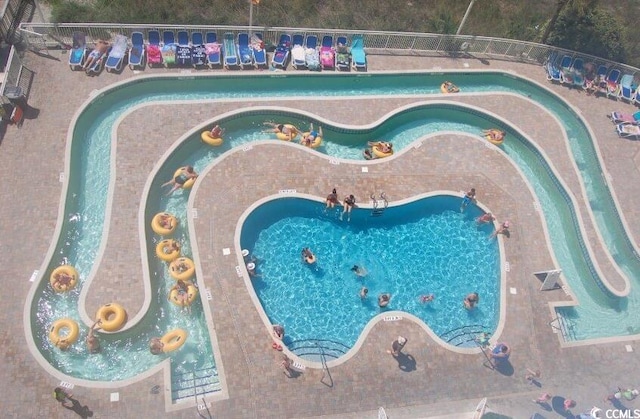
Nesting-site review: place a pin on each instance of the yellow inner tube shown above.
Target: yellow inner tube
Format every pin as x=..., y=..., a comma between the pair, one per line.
x=173, y=340
x=158, y=228
x=317, y=142
x=379, y=153
x=189, y=183
x=192, y=293
x=452, y=88
x=492, y=139
x=67, y=270
x=71, y=335
x=182, y=268
x=207, y=138
x=113, y=317
x=285, y=137
x=166, y=251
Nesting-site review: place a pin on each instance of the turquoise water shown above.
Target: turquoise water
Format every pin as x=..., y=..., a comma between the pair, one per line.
x=598, y=315
x=425, y=247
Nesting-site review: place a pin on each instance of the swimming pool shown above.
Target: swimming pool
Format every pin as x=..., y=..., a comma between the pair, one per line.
x=424, y=247
x=598, y=315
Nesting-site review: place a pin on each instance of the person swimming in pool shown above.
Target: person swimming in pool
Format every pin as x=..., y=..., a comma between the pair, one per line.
x=308, y=256
x=485, y=218
x=186, y=173
x=364, y=291
x=289, y=130
x=471, y=300
x=217, y=131
x=427, y=298
x=384, y=300
x=307, y=140
x=503, y=229
x=359, y=270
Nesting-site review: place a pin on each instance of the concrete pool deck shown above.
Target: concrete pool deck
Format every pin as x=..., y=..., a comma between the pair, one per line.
x=434, y=381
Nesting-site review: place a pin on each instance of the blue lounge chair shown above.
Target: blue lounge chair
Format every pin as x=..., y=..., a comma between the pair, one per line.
x=78, y=51
x=198, y=55
x=136, y=52
x=115, y=60
x=168, y=48
x=601, y=79
x=154, y=49
x=358, y=56
x=230, y=54
x=183, y=50
x=627, y=90
x=343, y=56
x=552, y=68
x=281, y=54
x=613, y=82
x=311, y=54
x=244, y=51
x=212, y=49
x=259, y=53
x=327, y=53
x=297, y=52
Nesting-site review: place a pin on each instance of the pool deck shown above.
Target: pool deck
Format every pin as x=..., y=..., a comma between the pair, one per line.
x=431, y=381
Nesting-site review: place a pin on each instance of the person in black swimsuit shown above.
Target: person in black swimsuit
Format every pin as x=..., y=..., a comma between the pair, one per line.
x=186, y=173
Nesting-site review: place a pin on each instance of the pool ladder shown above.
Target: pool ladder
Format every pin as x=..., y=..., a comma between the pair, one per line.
x=377, y=210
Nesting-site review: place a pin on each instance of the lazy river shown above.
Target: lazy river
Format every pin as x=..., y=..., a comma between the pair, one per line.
x=598, y=315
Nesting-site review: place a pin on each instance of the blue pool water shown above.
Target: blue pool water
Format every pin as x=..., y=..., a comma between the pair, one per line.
x=598, y=315
x=420, y=248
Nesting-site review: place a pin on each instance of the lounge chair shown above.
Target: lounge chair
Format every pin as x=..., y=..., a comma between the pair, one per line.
x=281, y=54
x=327, y=53
x=358, y=56
x=620, y=117
x=198, y=54
x=577, y=70
x=115, y=60
x=212, y=49
x=230, y=53
x=613, y=82
x=601, y=79
x=78, y=51
x=154, y=50
x=311, y=54
x=343, y=56
x=168, y=48
x=552, y=69
x=244, y=51
x=631, y=131
x=566, y=74
x=136, y=52
x=183, y=50
x=627, y=89
x=258, y=51
x=297, y=52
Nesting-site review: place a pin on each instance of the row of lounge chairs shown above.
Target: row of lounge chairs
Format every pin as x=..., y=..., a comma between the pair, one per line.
x=199, y=51
x=600, y=80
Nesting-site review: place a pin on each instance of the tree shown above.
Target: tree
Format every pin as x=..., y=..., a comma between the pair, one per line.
x=590, y=30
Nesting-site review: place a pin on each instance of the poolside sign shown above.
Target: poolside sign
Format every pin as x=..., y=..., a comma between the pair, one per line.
x=549, y=279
